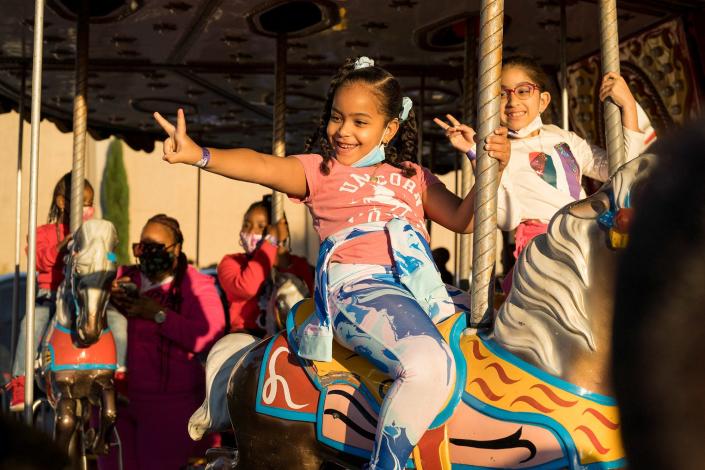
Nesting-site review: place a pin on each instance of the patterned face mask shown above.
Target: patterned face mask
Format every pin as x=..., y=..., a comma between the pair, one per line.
x=250, y=241
x=155, y=262
x=88, y=212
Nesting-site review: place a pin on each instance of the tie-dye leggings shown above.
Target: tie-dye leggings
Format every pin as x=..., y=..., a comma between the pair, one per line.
x=375, y=316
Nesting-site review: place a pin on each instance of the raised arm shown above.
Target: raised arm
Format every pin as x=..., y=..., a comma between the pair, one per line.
x=447, y=209
x=282, y=174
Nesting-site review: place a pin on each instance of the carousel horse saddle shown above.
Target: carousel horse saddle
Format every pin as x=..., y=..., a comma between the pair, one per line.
x=354, y=369
x=342, y=398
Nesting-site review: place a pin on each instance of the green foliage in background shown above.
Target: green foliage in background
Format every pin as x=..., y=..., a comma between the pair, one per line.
x=115, y=199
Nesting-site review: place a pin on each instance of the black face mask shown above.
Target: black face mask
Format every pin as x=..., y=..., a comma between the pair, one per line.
x=155, y=263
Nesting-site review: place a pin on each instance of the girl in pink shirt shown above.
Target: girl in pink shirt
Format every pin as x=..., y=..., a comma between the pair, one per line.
x=377, y=289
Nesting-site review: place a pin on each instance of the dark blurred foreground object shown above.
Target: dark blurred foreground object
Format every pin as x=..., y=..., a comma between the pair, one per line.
x=25, y=448
x=659, y=330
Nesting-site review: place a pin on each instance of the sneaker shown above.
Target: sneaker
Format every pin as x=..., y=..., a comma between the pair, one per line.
x=16, y=386
x=120, y=383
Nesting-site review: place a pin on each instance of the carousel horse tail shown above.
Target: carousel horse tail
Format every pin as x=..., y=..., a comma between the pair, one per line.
x=212, y=415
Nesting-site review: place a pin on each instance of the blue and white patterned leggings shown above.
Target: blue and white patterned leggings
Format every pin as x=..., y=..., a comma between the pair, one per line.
x=375, y=316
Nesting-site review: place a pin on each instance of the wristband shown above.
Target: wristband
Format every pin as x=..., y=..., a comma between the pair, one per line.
x=471, y=155
x=205, y=158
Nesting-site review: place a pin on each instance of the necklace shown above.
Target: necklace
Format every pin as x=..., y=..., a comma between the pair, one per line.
x=373, y=177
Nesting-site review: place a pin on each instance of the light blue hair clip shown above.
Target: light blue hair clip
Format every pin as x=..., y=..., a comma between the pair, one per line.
x=406, y=105
x=363, y=62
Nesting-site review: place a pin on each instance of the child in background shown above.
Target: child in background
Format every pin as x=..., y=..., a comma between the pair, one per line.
x=52, y=243
x=244, y=275
x=547, y=162
x=377, y=289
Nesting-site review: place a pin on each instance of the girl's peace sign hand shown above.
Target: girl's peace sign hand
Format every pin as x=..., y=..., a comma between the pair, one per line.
x=460, y=135
x=178, y=147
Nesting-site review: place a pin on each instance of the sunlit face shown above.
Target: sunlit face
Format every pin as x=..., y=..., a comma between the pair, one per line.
x=87, y=199
x=356, y=124
x=516, y=113
x=255, y=221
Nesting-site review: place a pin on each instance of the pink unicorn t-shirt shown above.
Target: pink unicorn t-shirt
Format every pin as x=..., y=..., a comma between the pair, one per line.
x=348, y=196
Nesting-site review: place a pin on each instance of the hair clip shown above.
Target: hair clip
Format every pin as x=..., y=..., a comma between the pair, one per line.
x=406, y=105
x=363, y=62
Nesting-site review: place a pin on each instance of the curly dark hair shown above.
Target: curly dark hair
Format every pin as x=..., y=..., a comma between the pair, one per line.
x=402, y=148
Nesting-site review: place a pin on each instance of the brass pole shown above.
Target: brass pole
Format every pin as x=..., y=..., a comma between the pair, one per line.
x=609, y=46
x=80, y=118
x=485, y=221
x=565, y=124
x=279, y=132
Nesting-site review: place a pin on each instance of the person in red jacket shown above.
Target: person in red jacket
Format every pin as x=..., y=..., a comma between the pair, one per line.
x=174, y=317
x=243, y=276
x=52, y=242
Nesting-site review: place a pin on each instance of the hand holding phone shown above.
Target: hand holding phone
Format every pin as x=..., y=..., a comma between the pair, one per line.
x=129, y=288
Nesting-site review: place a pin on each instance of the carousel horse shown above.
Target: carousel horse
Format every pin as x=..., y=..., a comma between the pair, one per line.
x=283, y=292
x=534, y=392
x=79, y=360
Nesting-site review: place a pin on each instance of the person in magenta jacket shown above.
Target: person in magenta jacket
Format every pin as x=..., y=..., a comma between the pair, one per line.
x=174, y=317
x=242, y=276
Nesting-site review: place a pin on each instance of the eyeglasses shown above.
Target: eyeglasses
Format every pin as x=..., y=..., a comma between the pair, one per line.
x=523, y=91
x=141, y=248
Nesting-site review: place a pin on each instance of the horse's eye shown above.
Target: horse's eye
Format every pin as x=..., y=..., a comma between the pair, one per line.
x=598, y=206
x=592, y=207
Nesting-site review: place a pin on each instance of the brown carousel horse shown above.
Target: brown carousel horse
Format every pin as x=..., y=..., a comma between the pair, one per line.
x=535, y=392
x=79, y=361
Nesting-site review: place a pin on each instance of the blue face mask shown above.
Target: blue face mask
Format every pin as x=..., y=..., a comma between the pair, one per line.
x=374, y=156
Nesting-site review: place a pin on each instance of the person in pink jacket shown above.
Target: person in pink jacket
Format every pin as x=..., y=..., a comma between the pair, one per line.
x=52, y=246
x=174, y=317
x=243, y=276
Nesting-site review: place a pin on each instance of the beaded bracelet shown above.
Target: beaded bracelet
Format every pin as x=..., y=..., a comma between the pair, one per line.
x=205, y=158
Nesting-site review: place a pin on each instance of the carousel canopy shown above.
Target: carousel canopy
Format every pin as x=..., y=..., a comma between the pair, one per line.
x=216, y=58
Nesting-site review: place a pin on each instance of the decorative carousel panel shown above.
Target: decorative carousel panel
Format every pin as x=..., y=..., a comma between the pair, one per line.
x=656, y=65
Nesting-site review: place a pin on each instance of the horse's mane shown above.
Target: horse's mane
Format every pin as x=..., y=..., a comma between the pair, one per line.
x=552, y=276
x=548, y=292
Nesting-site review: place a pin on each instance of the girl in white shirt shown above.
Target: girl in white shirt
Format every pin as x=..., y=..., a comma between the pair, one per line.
x=547, y=163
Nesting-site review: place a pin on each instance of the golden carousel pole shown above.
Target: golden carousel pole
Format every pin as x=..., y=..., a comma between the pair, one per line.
x=485, y=221
x=80, y=118
x=565, y=124
x=609, y=47
x=279, y=131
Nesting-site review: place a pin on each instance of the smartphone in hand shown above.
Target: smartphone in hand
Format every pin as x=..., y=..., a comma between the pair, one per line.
x=129, y=288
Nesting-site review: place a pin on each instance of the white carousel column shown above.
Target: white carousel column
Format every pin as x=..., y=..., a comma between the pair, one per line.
x=18, y=215
x=32, y=230
x=467, y=175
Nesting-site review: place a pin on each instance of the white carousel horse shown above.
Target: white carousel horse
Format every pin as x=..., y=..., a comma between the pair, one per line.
x=79, y=360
